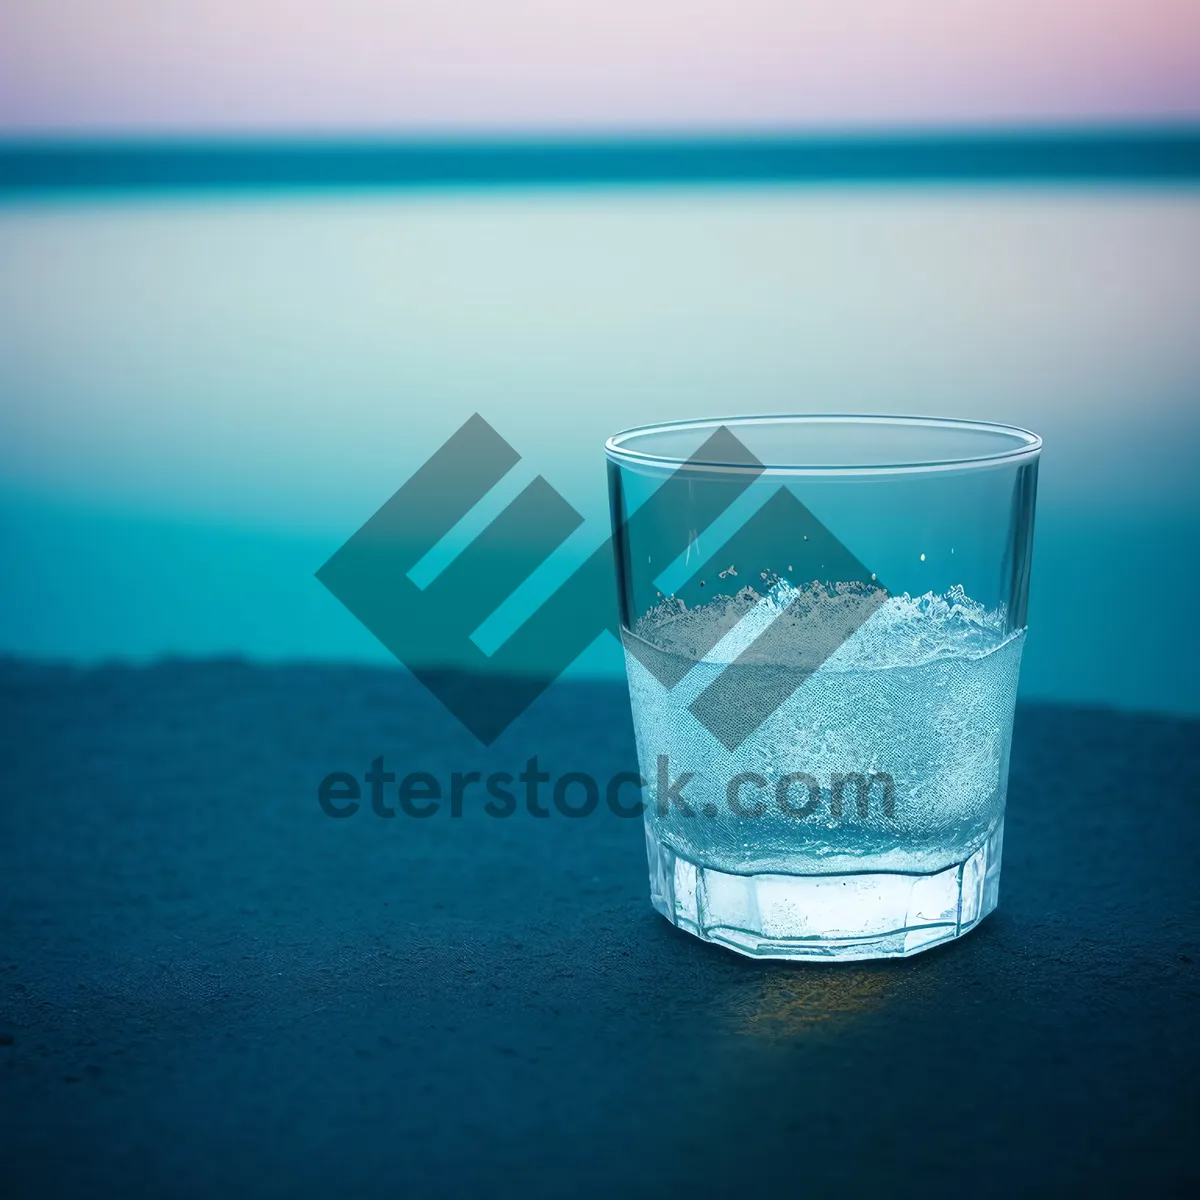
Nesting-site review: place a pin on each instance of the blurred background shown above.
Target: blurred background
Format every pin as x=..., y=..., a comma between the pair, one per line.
x=207, y=384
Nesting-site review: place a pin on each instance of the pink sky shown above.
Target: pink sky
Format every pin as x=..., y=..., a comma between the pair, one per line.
x=429, y=65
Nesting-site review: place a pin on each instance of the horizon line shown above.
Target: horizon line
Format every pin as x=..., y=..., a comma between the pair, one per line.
x=204, y=162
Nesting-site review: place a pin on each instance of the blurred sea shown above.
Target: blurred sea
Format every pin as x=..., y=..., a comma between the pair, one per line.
x=204, y=391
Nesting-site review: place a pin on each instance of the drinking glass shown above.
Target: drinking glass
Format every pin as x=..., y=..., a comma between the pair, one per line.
x=823, y=619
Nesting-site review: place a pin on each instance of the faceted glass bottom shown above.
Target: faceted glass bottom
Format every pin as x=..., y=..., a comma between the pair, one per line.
x=827, y=918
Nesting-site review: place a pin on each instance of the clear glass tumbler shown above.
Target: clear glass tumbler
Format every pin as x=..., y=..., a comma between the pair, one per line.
x=823, y=619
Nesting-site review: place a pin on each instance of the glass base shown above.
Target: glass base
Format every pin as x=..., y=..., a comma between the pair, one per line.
x=827, y=918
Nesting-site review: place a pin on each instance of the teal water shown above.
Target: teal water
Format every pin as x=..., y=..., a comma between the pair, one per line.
x=1048, y=155
x=202, y=396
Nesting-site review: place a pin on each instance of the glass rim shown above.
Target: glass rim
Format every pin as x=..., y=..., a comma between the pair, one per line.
x=1024, y=445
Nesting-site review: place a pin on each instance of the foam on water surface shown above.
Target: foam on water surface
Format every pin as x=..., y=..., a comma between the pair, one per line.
x=921, y=694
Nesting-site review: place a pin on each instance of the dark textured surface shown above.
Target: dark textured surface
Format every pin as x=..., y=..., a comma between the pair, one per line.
x=207, y=985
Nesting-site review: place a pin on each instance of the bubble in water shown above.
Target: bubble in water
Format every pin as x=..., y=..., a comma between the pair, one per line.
x=922, y=693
